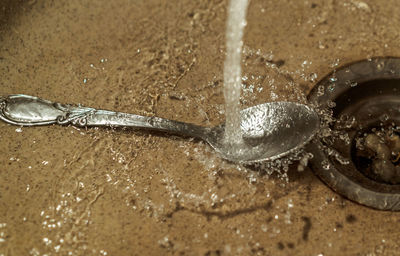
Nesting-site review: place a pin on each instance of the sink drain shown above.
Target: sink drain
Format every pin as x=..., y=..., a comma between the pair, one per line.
x=368, y=94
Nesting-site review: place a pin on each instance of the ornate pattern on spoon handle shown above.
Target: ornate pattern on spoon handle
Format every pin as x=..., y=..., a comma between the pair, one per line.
x=27, y=110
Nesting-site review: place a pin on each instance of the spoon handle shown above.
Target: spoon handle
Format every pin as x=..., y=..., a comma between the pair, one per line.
x=25, y=110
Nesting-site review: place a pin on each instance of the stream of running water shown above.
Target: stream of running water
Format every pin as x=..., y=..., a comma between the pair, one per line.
x=232, y=72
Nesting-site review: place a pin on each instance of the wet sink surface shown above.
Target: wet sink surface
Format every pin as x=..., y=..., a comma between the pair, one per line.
x=121, y=192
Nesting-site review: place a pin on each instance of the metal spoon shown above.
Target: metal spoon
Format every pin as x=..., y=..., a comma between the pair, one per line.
x=269, y=131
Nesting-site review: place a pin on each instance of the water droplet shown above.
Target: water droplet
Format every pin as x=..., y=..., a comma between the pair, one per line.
x=325, y=164
x=331, y=104
x=380, y=65
x=350, y=83
x=264, y=227
x=333, y=79
x=335, y=63
x=313, y=77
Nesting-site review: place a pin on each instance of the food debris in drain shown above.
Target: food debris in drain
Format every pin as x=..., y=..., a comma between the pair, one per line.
x=377, y=153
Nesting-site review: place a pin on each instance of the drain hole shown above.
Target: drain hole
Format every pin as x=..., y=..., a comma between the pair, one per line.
x=376, y=153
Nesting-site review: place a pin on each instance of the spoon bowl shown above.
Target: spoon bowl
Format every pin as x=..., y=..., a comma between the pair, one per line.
x=269, y=131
